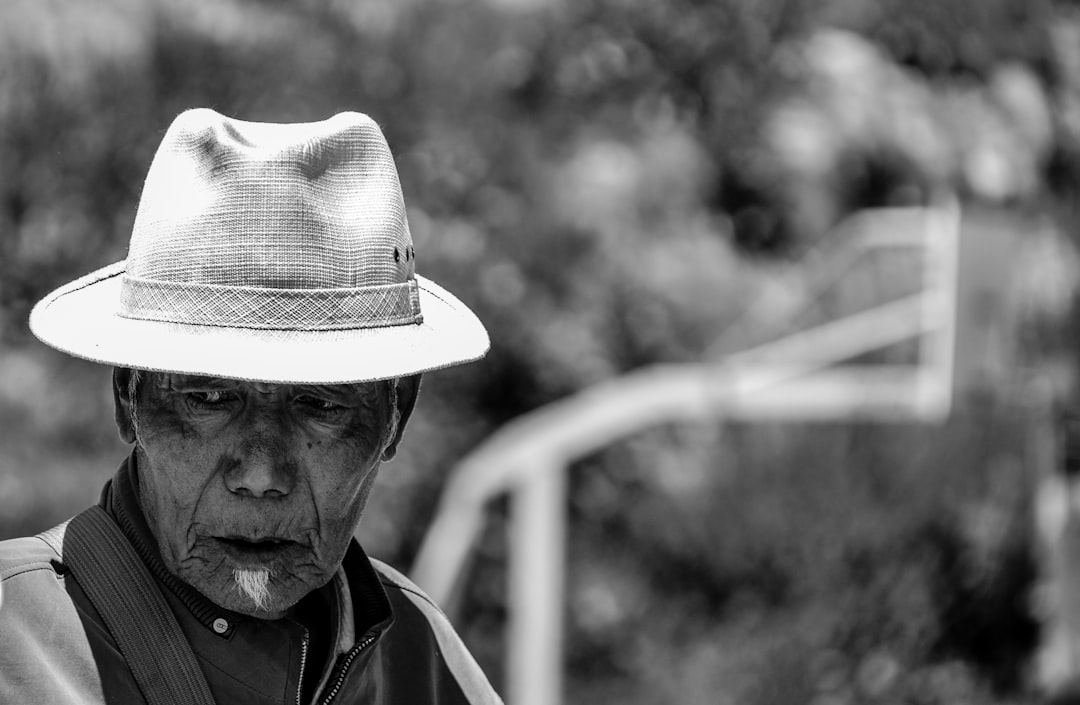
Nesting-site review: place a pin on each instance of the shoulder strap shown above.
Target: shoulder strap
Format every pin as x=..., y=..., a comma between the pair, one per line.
x=113, y=576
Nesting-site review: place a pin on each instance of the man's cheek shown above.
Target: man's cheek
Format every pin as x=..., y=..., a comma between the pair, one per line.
x=172, y=514
x=342, y=506
x=170, y=494
x=340, y=496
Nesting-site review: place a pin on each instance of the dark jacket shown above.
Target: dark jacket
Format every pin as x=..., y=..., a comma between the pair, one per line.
x=389, y=642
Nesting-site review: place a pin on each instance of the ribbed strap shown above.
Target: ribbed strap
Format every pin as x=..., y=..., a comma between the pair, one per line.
x=123, y=591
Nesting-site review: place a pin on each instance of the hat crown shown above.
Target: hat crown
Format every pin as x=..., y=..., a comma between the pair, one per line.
x=277, y=206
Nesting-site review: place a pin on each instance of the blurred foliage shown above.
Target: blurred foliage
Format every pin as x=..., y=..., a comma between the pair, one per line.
x=612, y=183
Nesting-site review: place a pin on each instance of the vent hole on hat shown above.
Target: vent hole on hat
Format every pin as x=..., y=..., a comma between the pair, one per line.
x=235, y=134
x=397, y=255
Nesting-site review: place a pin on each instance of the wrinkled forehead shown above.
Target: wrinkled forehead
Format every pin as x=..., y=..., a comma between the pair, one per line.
x=179, y=382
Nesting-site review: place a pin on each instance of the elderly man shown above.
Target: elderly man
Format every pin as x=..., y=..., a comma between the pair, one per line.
x=267, y=333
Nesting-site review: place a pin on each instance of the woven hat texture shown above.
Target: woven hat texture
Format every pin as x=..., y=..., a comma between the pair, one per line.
x=278, y=252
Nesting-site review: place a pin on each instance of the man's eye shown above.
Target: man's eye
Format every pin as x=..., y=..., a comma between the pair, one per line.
x=209, y=398
x=319, y=404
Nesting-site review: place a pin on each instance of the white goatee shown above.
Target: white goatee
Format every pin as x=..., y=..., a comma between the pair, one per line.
x=254, y=584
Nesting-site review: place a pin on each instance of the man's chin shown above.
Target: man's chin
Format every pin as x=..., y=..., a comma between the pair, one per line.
x=229, y=576
x=272, y=608
x=224, y=591
x=249, y=609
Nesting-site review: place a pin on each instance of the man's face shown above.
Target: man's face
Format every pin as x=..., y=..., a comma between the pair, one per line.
x=242, y=480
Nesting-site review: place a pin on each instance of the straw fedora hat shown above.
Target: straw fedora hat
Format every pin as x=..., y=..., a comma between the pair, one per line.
x=266, y=252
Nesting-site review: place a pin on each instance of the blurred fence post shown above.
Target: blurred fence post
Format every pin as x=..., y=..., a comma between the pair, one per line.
x=537, y=584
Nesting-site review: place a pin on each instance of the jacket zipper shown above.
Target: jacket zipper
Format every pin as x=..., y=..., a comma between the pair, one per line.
x=303, y=661
x=344, y=670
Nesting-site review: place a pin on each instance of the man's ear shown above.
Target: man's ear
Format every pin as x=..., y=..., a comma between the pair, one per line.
x=122, y=402
x=408, y=389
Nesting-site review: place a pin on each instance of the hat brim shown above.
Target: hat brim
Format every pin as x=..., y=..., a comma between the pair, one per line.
x=81, y=319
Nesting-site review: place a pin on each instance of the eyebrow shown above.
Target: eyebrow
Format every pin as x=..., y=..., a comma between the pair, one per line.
x=360, y=390
x=175, y=380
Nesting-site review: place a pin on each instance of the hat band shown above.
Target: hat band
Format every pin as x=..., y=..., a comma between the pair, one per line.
x=278, y=309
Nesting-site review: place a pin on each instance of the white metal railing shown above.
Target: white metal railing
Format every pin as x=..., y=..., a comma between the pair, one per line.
x=793, y=378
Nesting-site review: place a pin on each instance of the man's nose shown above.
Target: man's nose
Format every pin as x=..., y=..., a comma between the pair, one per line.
x=265, y=468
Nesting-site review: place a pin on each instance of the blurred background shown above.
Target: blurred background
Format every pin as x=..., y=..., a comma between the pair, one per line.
x=613, y=184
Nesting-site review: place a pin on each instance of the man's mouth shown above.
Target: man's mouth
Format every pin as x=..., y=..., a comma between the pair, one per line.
x=254, y=550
